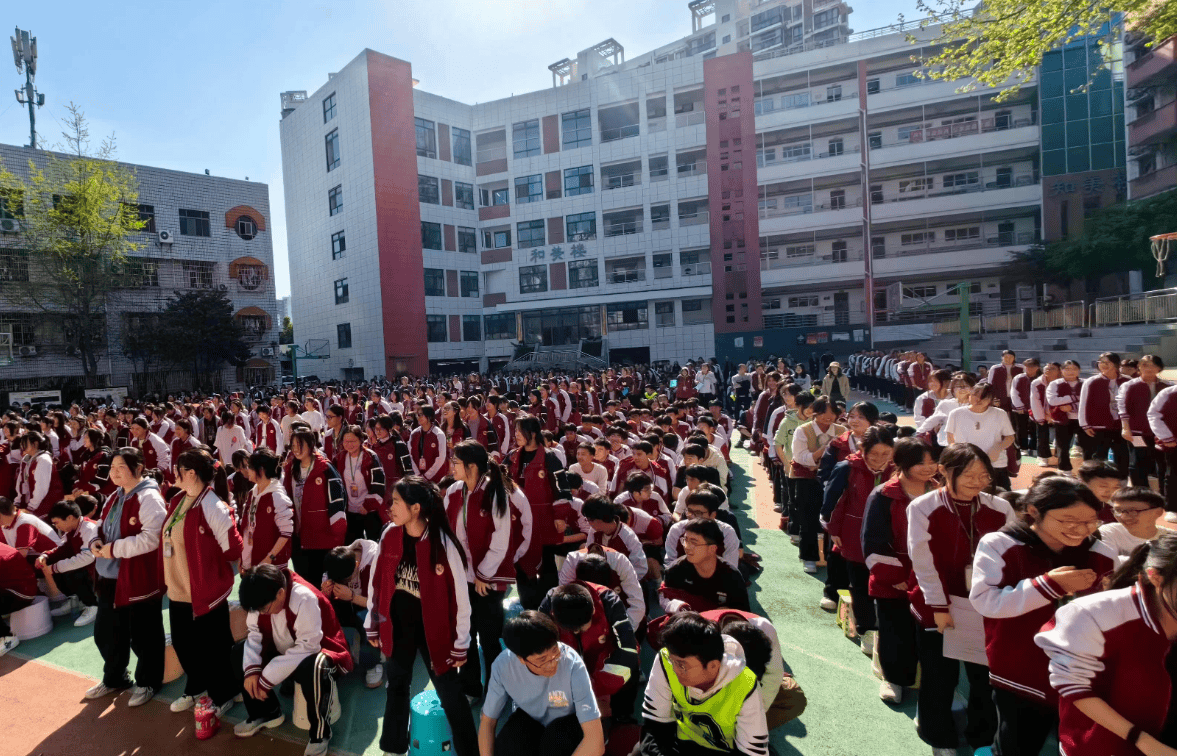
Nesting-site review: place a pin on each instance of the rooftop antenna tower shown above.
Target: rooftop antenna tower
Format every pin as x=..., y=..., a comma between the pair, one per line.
x=24, y=54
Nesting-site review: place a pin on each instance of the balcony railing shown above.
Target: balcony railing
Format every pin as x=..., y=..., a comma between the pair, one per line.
x=700, y=218
x=701, y=268
x=623, y=228
x=797, y=157
x=659, y=174
x=621, y=180
x=693, y=118
x=490, y=154
x=1027, y=179
x=1148, y=307
x=773, y=103
x=621, y=132
x=698, y=168
x=660, y=224
x=803, y=47
x=770, y=208
x=625, y=276
x=815, y=257
x=773, y=321
x=655, y=125
x=962, y=129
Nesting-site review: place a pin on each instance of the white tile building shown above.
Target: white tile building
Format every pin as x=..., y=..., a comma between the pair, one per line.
x=223, y=240
x=610, y=206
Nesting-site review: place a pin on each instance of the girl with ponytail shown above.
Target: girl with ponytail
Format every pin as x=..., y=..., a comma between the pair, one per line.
x=480, y=509
x=419, y=564
x=1108, y=659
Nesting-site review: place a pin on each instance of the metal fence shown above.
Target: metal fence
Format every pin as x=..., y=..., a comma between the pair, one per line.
x=1147, y=307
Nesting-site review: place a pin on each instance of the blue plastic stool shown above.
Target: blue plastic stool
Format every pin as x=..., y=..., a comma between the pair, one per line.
x=511, y=609
x=984, y=751
x=429, y=730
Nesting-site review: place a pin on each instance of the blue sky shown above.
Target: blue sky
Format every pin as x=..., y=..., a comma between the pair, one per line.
x=191, y=86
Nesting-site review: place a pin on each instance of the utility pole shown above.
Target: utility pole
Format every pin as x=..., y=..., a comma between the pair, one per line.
x=24, y=54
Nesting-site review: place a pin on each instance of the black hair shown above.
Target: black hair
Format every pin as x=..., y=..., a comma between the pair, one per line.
x=1154, y=359
x=87, y=504
x=132, y=457
x=1098, y=468
x=470, y=452
x=339, y=563
x=637, y=481
x=956, y=458
x=530, y=427
x=7, y=506
x=572, y=606
x=413, y=489
x=1111, y=357
x=530, y=633
x=702, y=473
x=265, y=461
x=708, y=529
x=1140, y=494
x=868, y=410
x=594, y=568
x=1057, y=492
x=259, y=586
x=691, y=634
x=755, y=642
x=910, y=452
x=65, y=509
x=695, y=450
x=1159, y=554
x=598, y=507
x=705, y=497
x=875, y=435
x=199, y=462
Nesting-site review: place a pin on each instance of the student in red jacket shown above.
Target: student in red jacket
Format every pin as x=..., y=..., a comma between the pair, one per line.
x=320, y=506
x=266, y=514
x=293, y=634
x=1109, y=655
x=199, y=541
x=130, y=581
x=68, y=567
x=479, y=508
x=1099, y=414
x=94, y=471
x=419, y=604
x=38, y=485
x=18, y=588
x=1020, y=575
x=844, y=510
x=536, y=470
x=1132, y=403
x=428, y=447
x=884, y=548
x=363, y=483
x=943, y=529
x=1062, y=402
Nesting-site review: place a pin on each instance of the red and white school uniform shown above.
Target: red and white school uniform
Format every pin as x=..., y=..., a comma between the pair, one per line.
x=32, y=533
x=1038, y=407
x=1097, y=403
x=429, y=453
x=38, y=485
x=624, y=582
x=156, y=453
x=1162, y=416
x=211, y=543
x=1019, y=392
x=269, y=435
x=94, y=475
x=265, y=517
x=1060, y=393
x=627, y=542
x=538, y=481
x=504, y=433
x=320, y=510
x=483, y=534
x=1133, y=401
x=74, y=552
x=140, y=569
x=394, y=457
x=363, y=482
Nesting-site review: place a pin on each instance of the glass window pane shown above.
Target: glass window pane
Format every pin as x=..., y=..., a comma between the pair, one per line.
x=1103, y=156
x=1101, y=130
x=1054, y=162
x=1076, y=106
x=1053, y=136
x=1052, y=85
x=1076, y=133
x=1074, y=78
x=1078, y=159
x=1052, y=61
x=1076, y=56
x=1052, y=110
x=1101, y=80
x=1101, y=103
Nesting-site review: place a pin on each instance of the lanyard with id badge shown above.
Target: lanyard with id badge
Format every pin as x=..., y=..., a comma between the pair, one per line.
x=178, y=517
x=970, y=533
x=354, y=471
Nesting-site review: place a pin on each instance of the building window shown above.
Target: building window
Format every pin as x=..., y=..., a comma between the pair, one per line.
x=872, y=86
x=471, y=328
x=492, y=197
x=468, y=283
x=427, y=190
x=430, y=235
x=531, y=234
x=696, y=311
x=426, y=138
x=500, y=326
x=434, y=282
x=23, y=327
x=14, y=265
x=461, y=145
x=194, y=223
x=581, y=227
x=962, y=234
x=805, y=301
x=664, y=265
x=919, y=292
x=578, y=129
x=529, y=189
x=582, y=274
x=875, y=139
x=695, y=263
x=628, y=316
x=964, y=180
x=463, y=195
x=335, y=200
x=145, y=213
x=332, y=141
x=341, y=295
x=245, y=227
x=578, y=181
x=906, y=79
x=664, y=314
x=533, y=279
x=917, y=238
x=200, y=275
x=329, y=107
x=435, y=328
x=496, y=239
x=343, y=335
x=525, y=136
x=338, y=245
x=467, y=241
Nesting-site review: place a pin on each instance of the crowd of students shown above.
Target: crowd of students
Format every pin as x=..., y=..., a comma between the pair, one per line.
x=403, y=515
x=1054, y=598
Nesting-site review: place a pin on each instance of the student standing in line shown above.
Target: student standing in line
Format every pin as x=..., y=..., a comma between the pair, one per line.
x=320, y=508
x=419, y=604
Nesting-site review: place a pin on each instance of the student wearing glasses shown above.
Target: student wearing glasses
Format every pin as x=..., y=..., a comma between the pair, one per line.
x=1136, y=511
x=555, y=712
x=943, y=530
x=1021, y=574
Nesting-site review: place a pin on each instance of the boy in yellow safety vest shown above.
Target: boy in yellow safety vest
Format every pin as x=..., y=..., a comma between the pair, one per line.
x=701, y=698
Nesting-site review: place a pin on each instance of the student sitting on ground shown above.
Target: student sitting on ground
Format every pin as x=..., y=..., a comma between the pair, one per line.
x=18, y=588
x=703, y=504
x=293, y=633
x=1136, y=511
x=592, y=619
x=67, y=567
x=605, y=566
x=347, y=575
x=701, y=698
x=555, y=710
x=700, y=580
x=782, y=697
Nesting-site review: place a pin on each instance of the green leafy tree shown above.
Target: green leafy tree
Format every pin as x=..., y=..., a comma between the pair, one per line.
x=287, y=335
x=1001, y=42
x=79, y=220
x=1115, y=240
x=199, y=333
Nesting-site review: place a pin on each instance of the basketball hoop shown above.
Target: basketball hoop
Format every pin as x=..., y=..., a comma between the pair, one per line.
x=1160, y=250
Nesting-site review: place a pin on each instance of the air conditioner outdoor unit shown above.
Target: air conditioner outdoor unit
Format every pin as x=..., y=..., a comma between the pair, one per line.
x=267, y=351
x=165, y=237
x=28, y=351
x=10, y=226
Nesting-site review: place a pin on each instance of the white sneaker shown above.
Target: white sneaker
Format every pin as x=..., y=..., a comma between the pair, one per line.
x=140, y=696
x=62, y=609
x=795, y=540
x=890, y=693
x=374, y=676
x=868, y=643
x=7, y=643
x=317, y=749
x=87, y=617
x=102, y=689
x=1170, y=516
x=809, y=566
x=250, y=727
x=827, y=603
x=183, y=703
